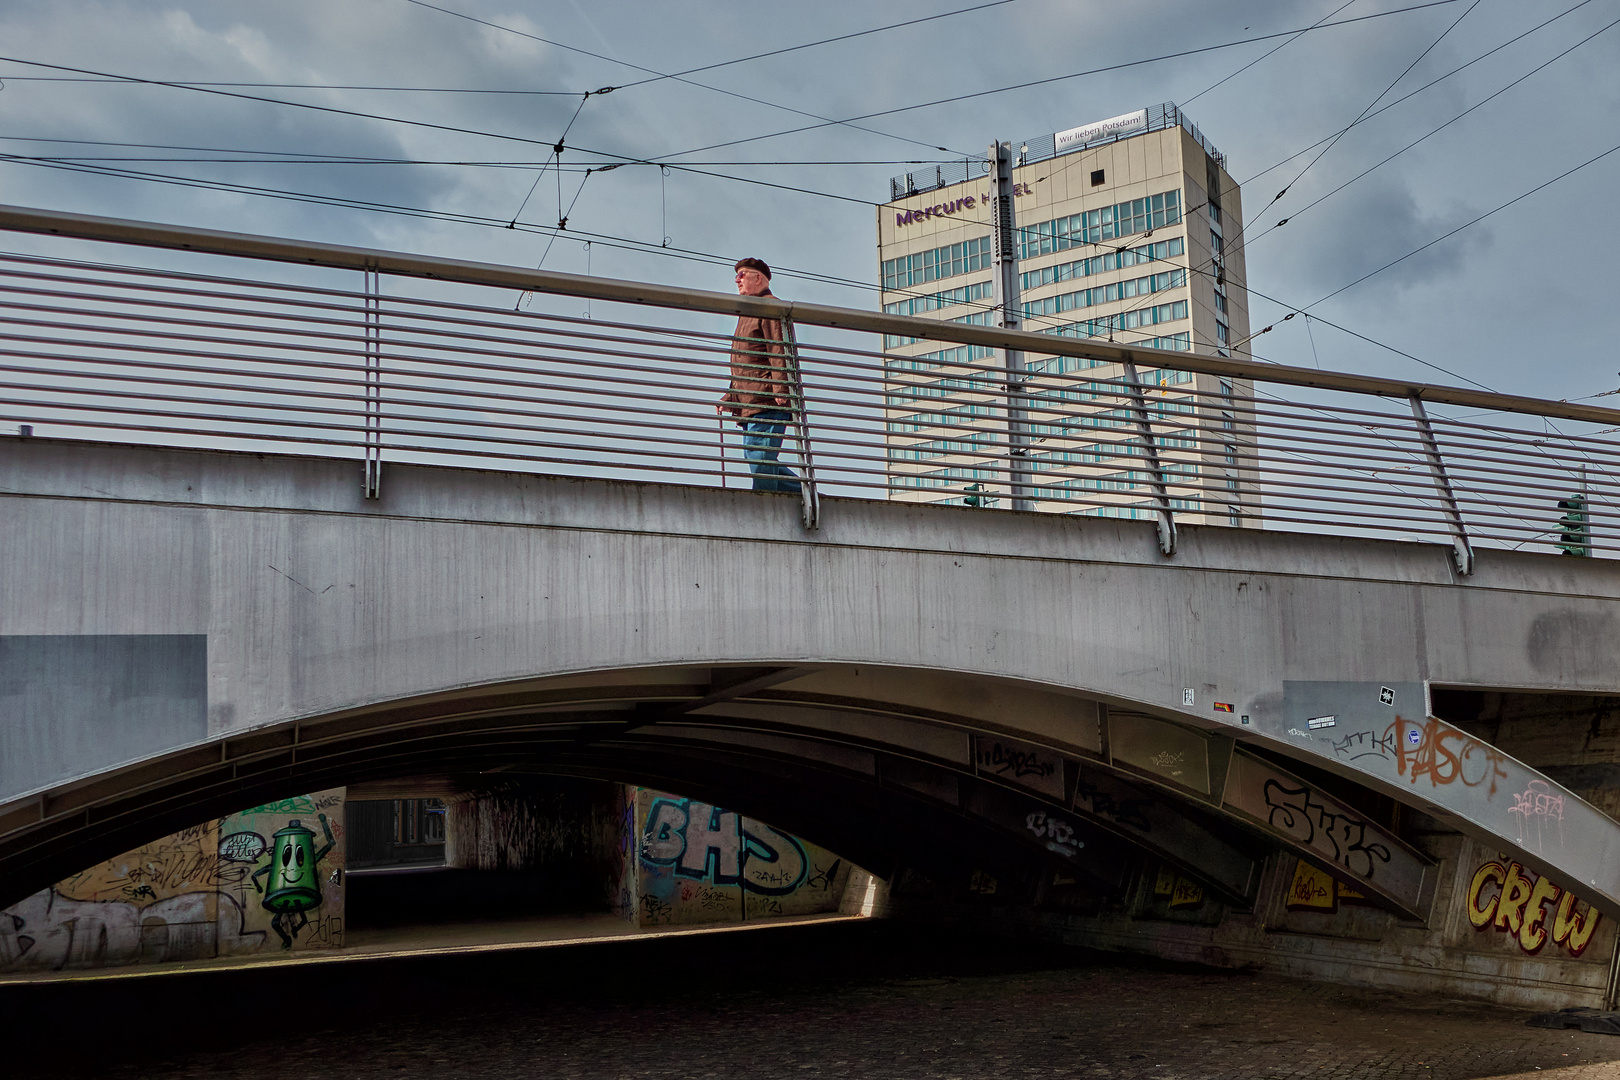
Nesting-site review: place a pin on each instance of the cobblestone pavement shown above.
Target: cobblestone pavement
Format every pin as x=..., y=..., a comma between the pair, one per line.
x=862, y=1000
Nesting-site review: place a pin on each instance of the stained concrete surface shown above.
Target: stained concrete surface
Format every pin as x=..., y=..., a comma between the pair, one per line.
x=839, y=999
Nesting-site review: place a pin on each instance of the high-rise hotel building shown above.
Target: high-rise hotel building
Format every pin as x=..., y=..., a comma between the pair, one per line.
x=1129, y=230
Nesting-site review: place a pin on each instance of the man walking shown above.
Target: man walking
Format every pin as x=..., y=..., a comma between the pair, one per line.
x=761, y=391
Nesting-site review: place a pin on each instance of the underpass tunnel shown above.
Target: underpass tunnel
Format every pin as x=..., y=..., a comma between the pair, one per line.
x=1102, y=825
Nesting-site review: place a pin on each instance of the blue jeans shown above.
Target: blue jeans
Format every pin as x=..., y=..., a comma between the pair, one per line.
x=762, y=440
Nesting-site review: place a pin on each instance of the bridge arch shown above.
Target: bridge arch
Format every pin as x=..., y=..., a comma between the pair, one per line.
x=922, y=638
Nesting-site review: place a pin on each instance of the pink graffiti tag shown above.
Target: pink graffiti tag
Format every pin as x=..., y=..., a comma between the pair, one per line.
x=1538, y=805
x=1537, y=800
x=1444, y=754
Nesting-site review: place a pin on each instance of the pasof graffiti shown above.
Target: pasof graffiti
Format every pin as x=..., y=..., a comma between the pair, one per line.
x=1439, y=752
x=1511, y=900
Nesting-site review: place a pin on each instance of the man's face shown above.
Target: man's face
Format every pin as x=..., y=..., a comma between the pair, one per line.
x=751, y=282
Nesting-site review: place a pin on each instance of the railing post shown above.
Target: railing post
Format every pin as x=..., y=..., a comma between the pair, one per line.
x=810, y=507
x=1150, y=452
x=1462, y=552
x=371, y=483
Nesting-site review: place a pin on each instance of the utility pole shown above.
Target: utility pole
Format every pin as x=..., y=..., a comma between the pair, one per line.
x=1009, y=316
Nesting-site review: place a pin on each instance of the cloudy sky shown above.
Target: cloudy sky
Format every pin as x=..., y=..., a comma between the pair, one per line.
x=1519, y=301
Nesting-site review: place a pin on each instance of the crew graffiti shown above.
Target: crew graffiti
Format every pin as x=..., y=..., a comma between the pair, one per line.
x=1511, y=900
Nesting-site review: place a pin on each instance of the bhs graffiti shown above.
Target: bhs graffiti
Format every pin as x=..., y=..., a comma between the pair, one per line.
x=703, y=842
x=1511, y=900
x=690, y=861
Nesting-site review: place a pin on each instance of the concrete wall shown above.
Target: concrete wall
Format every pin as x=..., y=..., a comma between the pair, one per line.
x=695, y=862
x=1497, y=931
x=194, y=895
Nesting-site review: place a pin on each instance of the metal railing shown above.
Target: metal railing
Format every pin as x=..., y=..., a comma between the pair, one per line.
x=253, y=342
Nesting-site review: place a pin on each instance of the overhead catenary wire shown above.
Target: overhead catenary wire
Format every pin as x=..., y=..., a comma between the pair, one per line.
x=1435, y=131
x=608, y=240
x=1359, y=117
x=1055, y=78
x=678, y=78
x=1414, y=93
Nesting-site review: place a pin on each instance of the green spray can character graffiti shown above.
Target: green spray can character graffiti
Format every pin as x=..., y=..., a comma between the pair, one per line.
x=295, y=887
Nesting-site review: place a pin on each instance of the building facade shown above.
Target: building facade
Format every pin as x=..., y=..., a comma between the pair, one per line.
x=1128, y=231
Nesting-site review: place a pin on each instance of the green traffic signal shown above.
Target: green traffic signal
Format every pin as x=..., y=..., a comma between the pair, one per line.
x=1574, y=533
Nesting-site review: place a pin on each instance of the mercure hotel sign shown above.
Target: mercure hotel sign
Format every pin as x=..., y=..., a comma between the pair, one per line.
x=951, y=207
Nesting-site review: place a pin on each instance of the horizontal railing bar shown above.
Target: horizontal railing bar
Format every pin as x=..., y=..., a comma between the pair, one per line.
x=151, y=234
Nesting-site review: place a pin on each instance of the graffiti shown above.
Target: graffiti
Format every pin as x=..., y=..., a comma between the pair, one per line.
x=1365, y=744
x=1127, y=812
x=1432, y=749
x=707, y=864
x=1311, y=890
x=1186, y=894
x=294, y=889
x=654, y=912
x=156, y=872
x=1297, y=811
x=1058, y=834
x=301, y=804
x=764, y=905
x=1166, y=759
x=50, y=932
x=702, y=842
x=1003, y=760
x=823, y=879
x=1539, y=808
x=706, y=898
x=241, y=847
x=1177, y=890
x=1317, y=890
x=1518, y=907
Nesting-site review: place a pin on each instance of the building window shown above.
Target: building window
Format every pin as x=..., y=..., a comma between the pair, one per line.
x=936, y=263
x=1096, y=177
x=1105, y=294
x=1098, y=264
x=1094, y=226
x=917, y=305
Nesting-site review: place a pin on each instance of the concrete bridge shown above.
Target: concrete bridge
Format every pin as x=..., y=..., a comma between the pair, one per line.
x=1102, y=720
x=187, y=631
